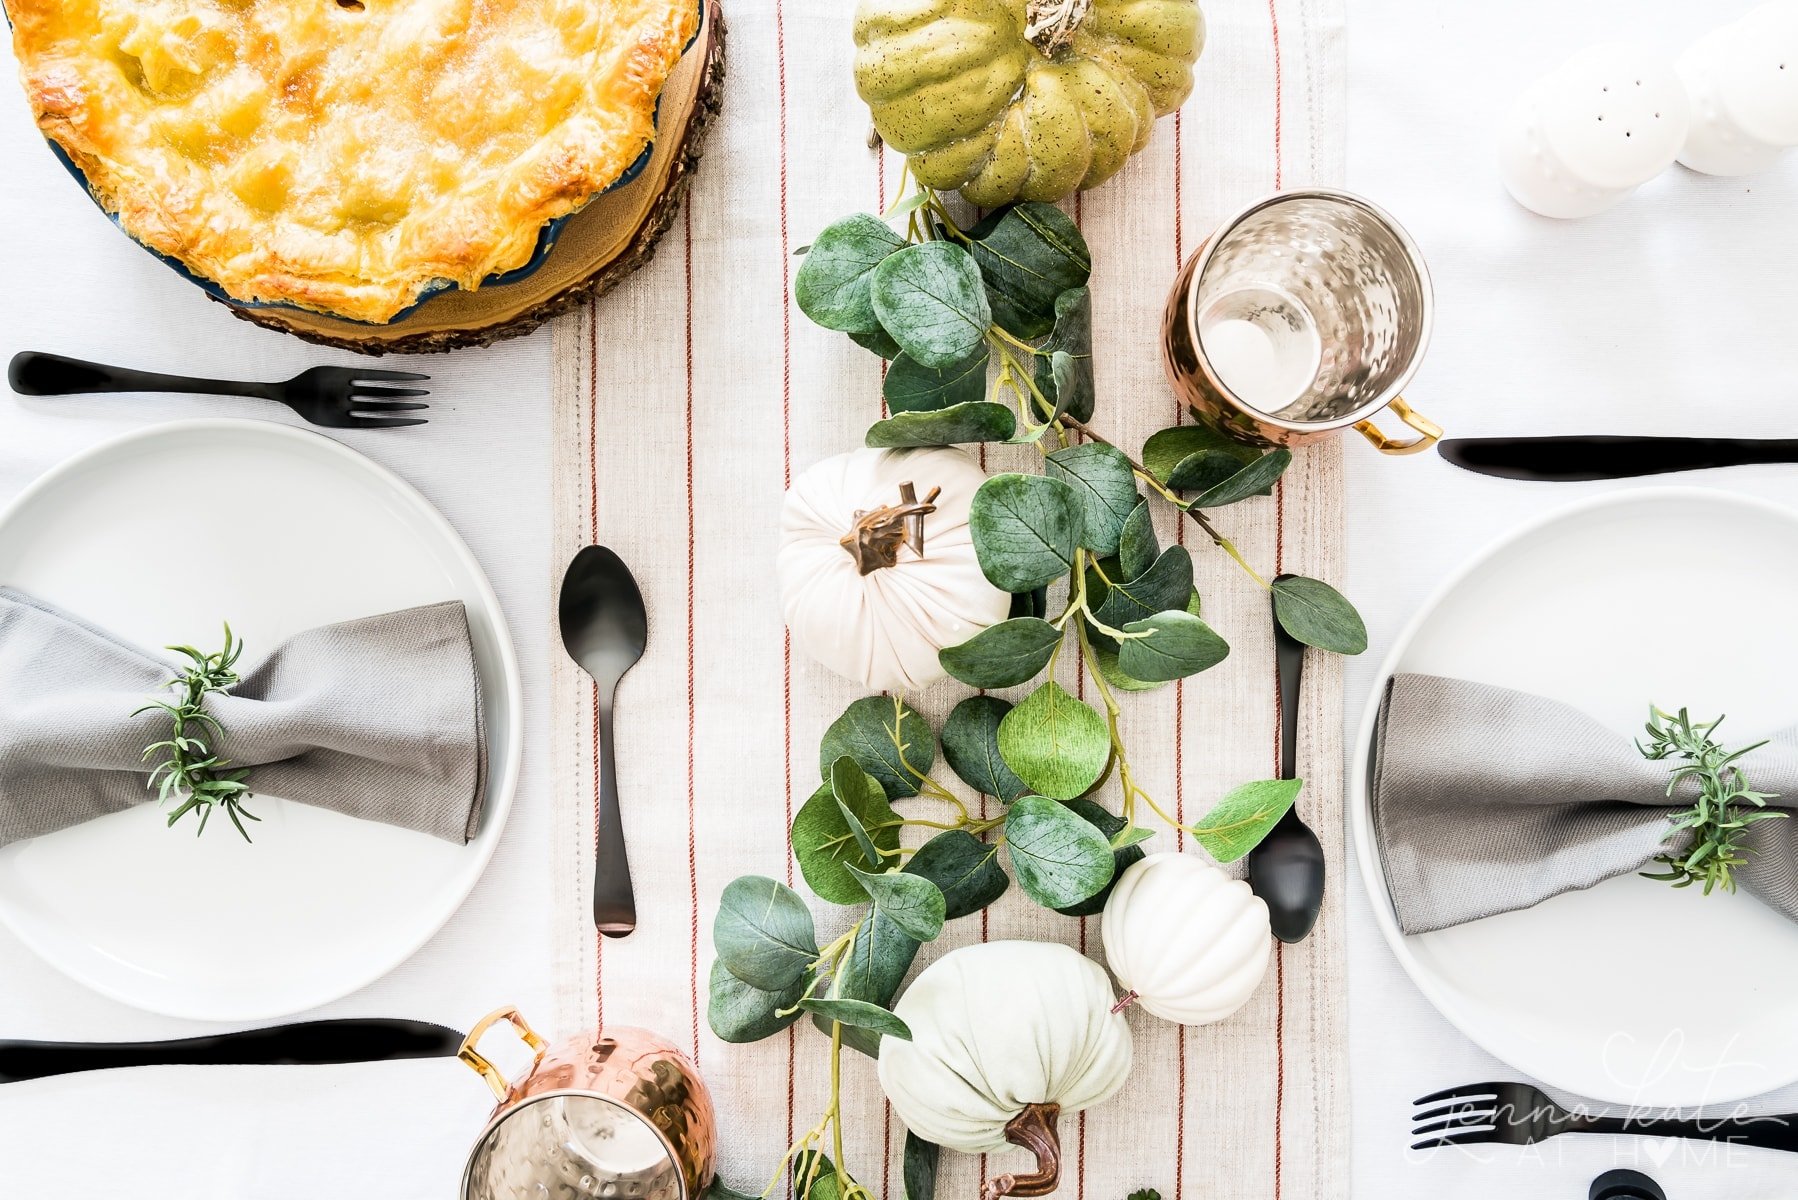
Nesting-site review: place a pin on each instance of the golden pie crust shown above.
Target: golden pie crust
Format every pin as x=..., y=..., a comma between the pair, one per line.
x=340, y=155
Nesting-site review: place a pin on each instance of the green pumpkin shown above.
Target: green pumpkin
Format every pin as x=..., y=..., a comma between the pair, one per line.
x=1022, y=99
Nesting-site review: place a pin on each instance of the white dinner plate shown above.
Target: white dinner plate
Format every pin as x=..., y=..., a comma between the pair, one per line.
x=1630, y=992
x=161, y=536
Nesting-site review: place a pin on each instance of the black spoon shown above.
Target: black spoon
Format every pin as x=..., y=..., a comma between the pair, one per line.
x=606, y=629
x=309, y=1043
x=1287, y=868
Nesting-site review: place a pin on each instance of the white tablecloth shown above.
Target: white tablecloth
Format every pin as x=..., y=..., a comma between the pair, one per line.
x=1671, y=314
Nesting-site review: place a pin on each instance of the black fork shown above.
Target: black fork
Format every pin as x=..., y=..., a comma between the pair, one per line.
x=335, y=397
x=1519, y=1114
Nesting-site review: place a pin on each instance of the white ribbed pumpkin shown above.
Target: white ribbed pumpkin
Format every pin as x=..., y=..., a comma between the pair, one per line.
x=885, y=628
x=1000, y=1030
x=1191, y=943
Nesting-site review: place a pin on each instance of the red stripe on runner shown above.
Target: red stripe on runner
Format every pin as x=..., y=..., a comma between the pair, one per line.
x=786, y=444
x=692, y=699
x=599, y=988
x=1273, y=18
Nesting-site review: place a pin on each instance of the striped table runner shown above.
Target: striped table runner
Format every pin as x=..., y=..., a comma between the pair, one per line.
x=686, y=401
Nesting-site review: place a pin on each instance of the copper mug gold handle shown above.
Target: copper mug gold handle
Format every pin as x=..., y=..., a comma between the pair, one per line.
x=477, y=1062
x=1428, y=431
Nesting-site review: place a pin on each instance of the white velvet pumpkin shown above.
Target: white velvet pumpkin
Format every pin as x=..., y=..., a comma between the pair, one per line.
x=997, y=1028
x=1188, y=940
x=884, y=629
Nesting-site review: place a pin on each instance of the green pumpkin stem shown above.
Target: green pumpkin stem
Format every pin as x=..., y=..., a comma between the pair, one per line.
x=878, y=533
x=1032, y=1130
x=1051, y=24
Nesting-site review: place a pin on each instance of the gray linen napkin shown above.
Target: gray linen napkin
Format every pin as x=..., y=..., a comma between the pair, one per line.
x=1485, y=800
x=378, y=718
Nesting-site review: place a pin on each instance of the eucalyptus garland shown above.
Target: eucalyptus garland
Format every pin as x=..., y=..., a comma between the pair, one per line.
x=988, y=330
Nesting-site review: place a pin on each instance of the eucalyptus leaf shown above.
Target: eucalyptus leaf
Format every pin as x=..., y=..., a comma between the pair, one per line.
x=1256, y=479
x=739, y=1012
x=1106, y=484
x=1122, y=857
x=1029, y=254
x=912, y=387
x=1004, y=655
x=826, y=847
x=1058, y=745
x=965, y=870
x=1318, y=615
x=1105, y=660
x=878, y=959
x=1138, y=547
x=887, y=738
x=1245, y=816
x=971, y=748
x=1172, y=645
x=1026, y=530
x=914, y=903
x=815, y=1177
x=764, y=933
x=833, y=286
x=1167, y=584
x=1064, y=366
x=1194, y=457
x=879, y=342
x=858, y=1013
x=930, y=298
x=1060, y=858
x=719, y=1190
x=920, y=1163
x=975, y=421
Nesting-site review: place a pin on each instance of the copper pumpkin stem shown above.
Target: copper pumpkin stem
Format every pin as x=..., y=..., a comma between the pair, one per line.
x=1125, y=1001
x=875, y=540
x=1034, y=1130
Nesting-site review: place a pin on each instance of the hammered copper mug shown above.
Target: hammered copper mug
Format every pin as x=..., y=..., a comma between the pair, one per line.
x=617, y=1115
x=1304, y=314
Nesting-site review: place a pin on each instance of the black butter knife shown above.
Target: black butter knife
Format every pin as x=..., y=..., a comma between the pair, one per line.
x=1600, y=456
x=307, y=1043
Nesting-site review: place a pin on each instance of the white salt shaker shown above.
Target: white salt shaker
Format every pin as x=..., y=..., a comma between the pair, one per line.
x=1743, y=80
x=1582, y=138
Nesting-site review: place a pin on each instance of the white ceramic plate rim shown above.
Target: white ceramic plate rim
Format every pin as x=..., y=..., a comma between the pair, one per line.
x=1373, y=873
x=499, y=799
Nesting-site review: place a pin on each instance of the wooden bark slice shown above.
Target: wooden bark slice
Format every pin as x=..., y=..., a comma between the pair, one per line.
x=599, y=246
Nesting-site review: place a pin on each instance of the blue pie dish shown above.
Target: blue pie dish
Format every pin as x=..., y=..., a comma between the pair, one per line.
x=546, y=238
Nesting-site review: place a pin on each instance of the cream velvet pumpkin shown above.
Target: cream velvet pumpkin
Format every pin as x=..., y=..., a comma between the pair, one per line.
x=999, y=1028
x=884, y=628
x=1189, y=941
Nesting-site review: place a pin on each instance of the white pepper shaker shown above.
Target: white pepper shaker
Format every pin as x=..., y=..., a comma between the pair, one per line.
x=1582, y=138
x=1743, y=80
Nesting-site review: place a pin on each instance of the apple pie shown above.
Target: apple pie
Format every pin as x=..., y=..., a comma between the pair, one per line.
x=347, y=156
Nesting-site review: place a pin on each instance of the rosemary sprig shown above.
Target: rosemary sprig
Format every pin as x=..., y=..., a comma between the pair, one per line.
x=1726, y=805
x=192, y=773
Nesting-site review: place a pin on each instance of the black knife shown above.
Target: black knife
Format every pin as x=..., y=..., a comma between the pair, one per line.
x=308, y=1043
x=1565, y=459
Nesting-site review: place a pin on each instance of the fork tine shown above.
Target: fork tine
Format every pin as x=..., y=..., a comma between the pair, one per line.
x=1451, y=1109
x=359, y=405
x=375, y=376
x=384, y=422
x=1483, y=1120
x=1466, y=1091
x=394, y=392
x=1459, y=1139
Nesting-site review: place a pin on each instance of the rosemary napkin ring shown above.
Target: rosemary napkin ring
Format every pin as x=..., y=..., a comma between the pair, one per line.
x=192, y=773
